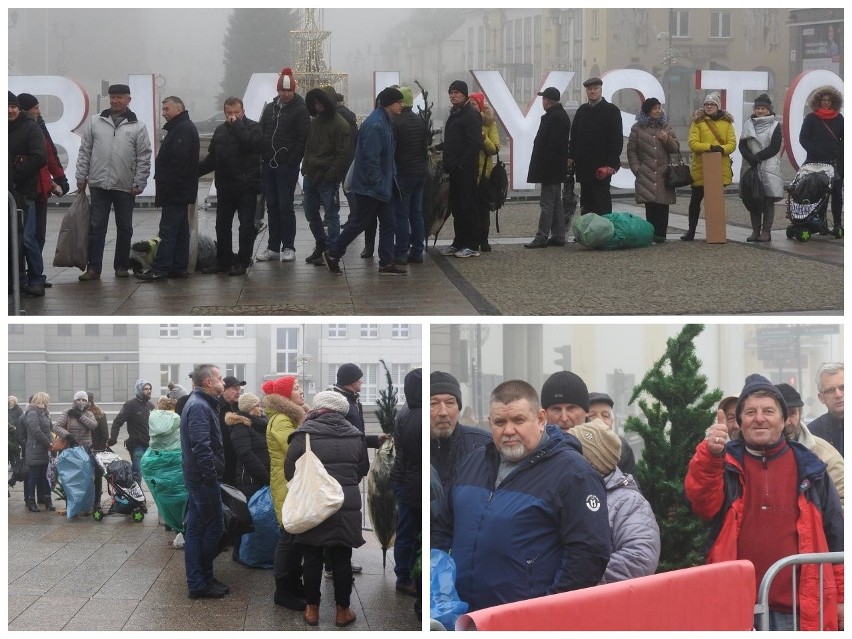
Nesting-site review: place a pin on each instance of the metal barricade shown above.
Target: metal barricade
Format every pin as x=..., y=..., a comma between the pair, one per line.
x=761, y=608
x=14, y=233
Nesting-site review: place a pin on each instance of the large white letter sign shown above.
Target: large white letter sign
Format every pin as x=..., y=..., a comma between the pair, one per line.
x=795, y=106
x=521, y=128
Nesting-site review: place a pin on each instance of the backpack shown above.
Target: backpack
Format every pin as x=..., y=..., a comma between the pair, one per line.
x=495, y=188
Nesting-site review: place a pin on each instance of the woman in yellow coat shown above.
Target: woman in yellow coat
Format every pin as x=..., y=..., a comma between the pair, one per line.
x=712, y=130
x=490, y=147
x=283, y=404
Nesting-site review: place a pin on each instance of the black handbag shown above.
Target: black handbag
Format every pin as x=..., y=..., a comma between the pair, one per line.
x=677, y=175
x=495, y=187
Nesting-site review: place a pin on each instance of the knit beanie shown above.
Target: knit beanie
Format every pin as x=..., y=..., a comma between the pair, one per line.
x=389, y=96
x=601, y=447
x=247, y=402
x=791, y=396
x=764, y=101
x=348, y=374
x=81, y=395
x=286, y=80
x=649, y=104
x=458, y=85
x=565, y=387
x=332, y=400
x=407, y=97
x=715, y=98
x=27, y=101
x=445, y=384
x=282, y=386
x=479, y=98
x=13, y=100
x=755, y=383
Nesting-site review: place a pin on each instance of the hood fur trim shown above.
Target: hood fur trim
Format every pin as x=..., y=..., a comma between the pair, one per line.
x=279, y=404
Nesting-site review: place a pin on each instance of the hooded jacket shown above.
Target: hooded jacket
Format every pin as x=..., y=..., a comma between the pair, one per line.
x=542, y=531
x=176, y=166
x=328, y=150
x=284, y=418
x=248, y=437
x=648, y=158
x=714, y=489
x=550, y=147
x=490, y=145
x=407, y=467
x=135, y=414
x=201, y=439
x=285, y=130
x=234, y=153
x=164, y=430
x=822, y=137
x=114, y=157
x=702, y=137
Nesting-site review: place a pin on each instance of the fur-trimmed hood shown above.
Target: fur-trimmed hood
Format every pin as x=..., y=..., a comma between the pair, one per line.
x=699, y=115
x=643, y=119
x=273, y=404
x=488, y=115
x=236, y=419
x=836, y=98
x=96, y=411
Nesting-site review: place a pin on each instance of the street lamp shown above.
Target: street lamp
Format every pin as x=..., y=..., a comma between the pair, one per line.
x=303, y=361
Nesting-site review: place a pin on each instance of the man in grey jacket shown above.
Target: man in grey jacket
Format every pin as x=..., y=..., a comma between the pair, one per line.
x=115, y=162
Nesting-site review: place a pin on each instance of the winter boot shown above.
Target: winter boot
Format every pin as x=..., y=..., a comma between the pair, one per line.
x=285, y=597
x=345, y=615
x=48, y=504
x=693, y=224
x=755, y=228
x=31, y=506
x=766, y=230
x=312, y=614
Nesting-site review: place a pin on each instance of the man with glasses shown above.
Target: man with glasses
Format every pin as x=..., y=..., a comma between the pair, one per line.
x=829, y=380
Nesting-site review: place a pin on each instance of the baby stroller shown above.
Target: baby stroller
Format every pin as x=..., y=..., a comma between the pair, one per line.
x=807, y=202
x=126, y=495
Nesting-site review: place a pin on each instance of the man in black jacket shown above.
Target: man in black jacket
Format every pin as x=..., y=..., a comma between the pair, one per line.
x=134, y=413
x=176, y=175
x=234, y=153
x=595, y=148
x=412, y=138
x=228, y=403
x=547, y=166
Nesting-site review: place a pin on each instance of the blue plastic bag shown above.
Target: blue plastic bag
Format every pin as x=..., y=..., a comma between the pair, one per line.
x=444, y=605
x=258, y=548
x=77, y=475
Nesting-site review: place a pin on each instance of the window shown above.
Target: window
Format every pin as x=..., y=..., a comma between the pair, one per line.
x=65, y=385
x=398, y=373
x=235, y=330
x=370, y=386
x=168, y=373
x=336, y=330
x=400, y=331
x=92, y=330
x=120, y=385
x=168, y=330
x=119, y=330
x=93, y=377
x=18, y=382
x=287, y=351
x=63, y=330
x=237, y=370
x=369, y=331
x=720, y=24
x=16, y=329
x=679, y=24
x=202, y=331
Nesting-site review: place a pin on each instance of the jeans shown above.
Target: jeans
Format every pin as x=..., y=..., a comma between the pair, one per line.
x=123, y=203
x=32, y=251
x=173, y=252
x=136, y=463
x=367, y=208
x=340, y=558
x=323, y=192
x=204, y=527
x=279, y=188
x=410, y=227
x=551, y=219
x=37, y=484
x=244, y=204
x=408, y=526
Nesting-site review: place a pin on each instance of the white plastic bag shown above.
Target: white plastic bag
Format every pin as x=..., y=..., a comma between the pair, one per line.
x=312, y=495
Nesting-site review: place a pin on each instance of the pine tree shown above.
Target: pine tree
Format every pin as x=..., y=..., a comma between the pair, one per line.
x=381, y=501
x=256, y=41
x=386, y=406
x=676, y=422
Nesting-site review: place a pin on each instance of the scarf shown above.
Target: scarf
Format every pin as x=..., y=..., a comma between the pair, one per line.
x=825, y=114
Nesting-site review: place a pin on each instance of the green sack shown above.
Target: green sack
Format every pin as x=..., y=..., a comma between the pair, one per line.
x=163, y=472
x=629, y=231
x=592, y=230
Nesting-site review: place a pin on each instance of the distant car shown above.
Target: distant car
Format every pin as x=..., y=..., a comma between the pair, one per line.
x=208, y=125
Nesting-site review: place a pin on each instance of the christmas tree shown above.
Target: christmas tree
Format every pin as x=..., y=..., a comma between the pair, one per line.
x=677, y=417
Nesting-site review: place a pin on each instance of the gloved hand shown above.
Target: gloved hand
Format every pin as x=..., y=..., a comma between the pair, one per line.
x=72, y=441
x=716, y=149
x=74, y=412
x=112, y=442
x=63, y=182
x=604, y=172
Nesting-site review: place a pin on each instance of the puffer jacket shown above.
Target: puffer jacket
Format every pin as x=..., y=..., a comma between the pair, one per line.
x=648, y=157
x=176, y=166
x=37, y=421
x=234, y=153
x=284, y=418
x=115, y=158
x=80, y=428
x=701, y=138
x=822, y=131
x=412, y=135
x=285, y=131
x=248, y=437
x=760, y=141
x=714, y=489
x=201, y=439
x=328, y=148
x=164, y=430
x=490, y=145
x=343, y=451
x=634, y=529
x=374, y=173
x=550, y=147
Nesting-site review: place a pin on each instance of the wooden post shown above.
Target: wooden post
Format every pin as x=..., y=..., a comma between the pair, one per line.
x=714, y=199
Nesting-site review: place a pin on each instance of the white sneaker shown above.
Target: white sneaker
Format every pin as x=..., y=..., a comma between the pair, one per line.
x=268, y=256
x=466, y=252
x=288, y=255
x=448, y=250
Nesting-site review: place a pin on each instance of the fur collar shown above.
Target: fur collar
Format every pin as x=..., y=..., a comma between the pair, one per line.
x=274, y=404
x=488, y=115
x=234, y=419
x=96, y=411
x=699, y=116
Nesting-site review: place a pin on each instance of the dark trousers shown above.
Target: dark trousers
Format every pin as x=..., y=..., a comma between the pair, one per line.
x=837, y=201
x=658, y=215
x=595, y=197
x=123, y=203
x=41, y=221
x=32, y=251
x=464, y=204
x=407, y=529
x=244, y=204
x=323, y=193
x=204, y=527
x=37, y=484
x=340, y=558
x=366, y=209
x=695, y=200
x=410, y=225
x=287, y=564
x=279, y=188
x=173, y=251
x=370, y=234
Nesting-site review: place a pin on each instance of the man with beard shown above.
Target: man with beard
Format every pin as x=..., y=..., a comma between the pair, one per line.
x=134, y=413
x=829, y=380
x=526, y=516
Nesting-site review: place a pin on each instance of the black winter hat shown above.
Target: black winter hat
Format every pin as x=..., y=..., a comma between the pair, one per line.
x=649, y=104
x=458, y=85
x=565, y=387
x=763, y=100
x=349, y=374
x=791, y=396
x=389, y=96
x=27, y=101
x=13, y=100
x=445, y=384
x=755, y=383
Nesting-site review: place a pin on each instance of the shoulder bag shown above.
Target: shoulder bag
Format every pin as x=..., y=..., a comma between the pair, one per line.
x=312, y=495
x=677, y=175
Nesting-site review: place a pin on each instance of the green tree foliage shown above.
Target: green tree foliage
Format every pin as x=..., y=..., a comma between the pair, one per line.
x=256, y=41
x=677, y=418
x=386, y=405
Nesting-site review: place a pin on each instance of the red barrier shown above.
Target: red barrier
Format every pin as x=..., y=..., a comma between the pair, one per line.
x=714, y=597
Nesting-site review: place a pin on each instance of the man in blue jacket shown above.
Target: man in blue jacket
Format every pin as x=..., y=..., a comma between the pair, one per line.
x=527, y=515
x=203, y=464
x=373, y=183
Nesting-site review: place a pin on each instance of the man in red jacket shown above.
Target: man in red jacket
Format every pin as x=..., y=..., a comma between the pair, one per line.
x=769, y=498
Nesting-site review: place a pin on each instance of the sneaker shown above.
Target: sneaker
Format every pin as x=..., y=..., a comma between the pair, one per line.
x=332, y=263
x=536, y=243
x=33, y=290
x=415, y=258
x=152, y=276
x=208, y=592
x=485, y=247
x=367, y=252
x=121, y=273
x=393, y=269
x=219, y=585
x=448, y=250
x=552, y=241
x=356, y=568
x=89, y=275
x=288, y=255
x=268, y=256
x=466, y=252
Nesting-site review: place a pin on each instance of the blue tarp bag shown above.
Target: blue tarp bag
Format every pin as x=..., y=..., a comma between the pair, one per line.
x=444, y=603
x=77, y=475
x=257, y=549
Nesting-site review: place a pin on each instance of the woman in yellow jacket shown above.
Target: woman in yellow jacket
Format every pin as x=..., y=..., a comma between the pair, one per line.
x=712, y=130
x=490, y=147
x=283, y=404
